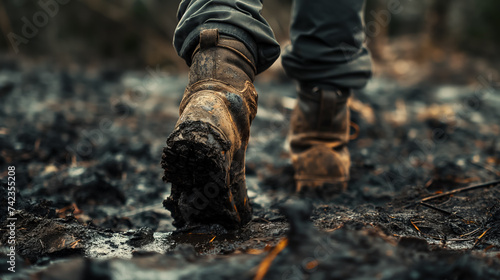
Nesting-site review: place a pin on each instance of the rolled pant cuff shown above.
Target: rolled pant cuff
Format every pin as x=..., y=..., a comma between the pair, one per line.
x=193, y=39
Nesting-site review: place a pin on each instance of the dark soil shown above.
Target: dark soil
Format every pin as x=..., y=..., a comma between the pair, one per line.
x=86, y=145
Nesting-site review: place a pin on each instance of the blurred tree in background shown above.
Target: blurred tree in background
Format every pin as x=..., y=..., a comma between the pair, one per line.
x=134, y=33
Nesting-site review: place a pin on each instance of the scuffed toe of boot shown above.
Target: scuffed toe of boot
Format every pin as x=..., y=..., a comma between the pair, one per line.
x=322, y=169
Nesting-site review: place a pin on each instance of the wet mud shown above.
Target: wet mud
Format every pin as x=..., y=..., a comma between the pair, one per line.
x=86, y=145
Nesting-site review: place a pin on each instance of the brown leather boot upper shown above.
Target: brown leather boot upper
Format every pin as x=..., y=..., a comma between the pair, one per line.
x=225, y=68
x=319, y=134
x=211, y=136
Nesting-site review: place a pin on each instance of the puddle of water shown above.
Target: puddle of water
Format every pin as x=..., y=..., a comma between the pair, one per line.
x=116, y=245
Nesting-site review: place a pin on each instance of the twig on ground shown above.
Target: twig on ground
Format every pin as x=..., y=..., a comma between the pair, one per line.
x=439, y=209
x=335, y=228
x=444, y=211
x=262, y=219
x=487, y=167
x=459, y=190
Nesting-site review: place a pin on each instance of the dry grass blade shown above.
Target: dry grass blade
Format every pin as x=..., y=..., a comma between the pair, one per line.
x=414, y=225
x=472, y=232
x=479, y=238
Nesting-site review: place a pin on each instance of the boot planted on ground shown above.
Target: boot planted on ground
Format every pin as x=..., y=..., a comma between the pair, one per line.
x=204, y=158
x=319, y=133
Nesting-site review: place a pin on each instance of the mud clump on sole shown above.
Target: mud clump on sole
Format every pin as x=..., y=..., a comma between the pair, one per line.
x=196, y=161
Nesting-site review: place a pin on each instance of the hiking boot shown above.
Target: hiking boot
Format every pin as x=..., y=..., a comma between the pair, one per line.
x=204, y=158
x=319, y=133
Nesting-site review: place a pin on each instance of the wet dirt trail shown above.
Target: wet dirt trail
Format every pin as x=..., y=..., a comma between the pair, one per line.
x=86, y=147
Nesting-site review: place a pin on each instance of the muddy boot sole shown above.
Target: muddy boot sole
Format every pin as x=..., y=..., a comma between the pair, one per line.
x=196, y=161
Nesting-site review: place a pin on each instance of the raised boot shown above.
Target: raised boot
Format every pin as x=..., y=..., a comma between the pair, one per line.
x=319, y=133
x=204, y=158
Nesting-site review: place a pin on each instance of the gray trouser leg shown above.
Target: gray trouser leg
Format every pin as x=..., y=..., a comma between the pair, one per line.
x=327, y=44
x=240, y=19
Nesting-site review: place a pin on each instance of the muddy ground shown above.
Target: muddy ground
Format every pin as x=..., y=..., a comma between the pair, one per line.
x=86, y=147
